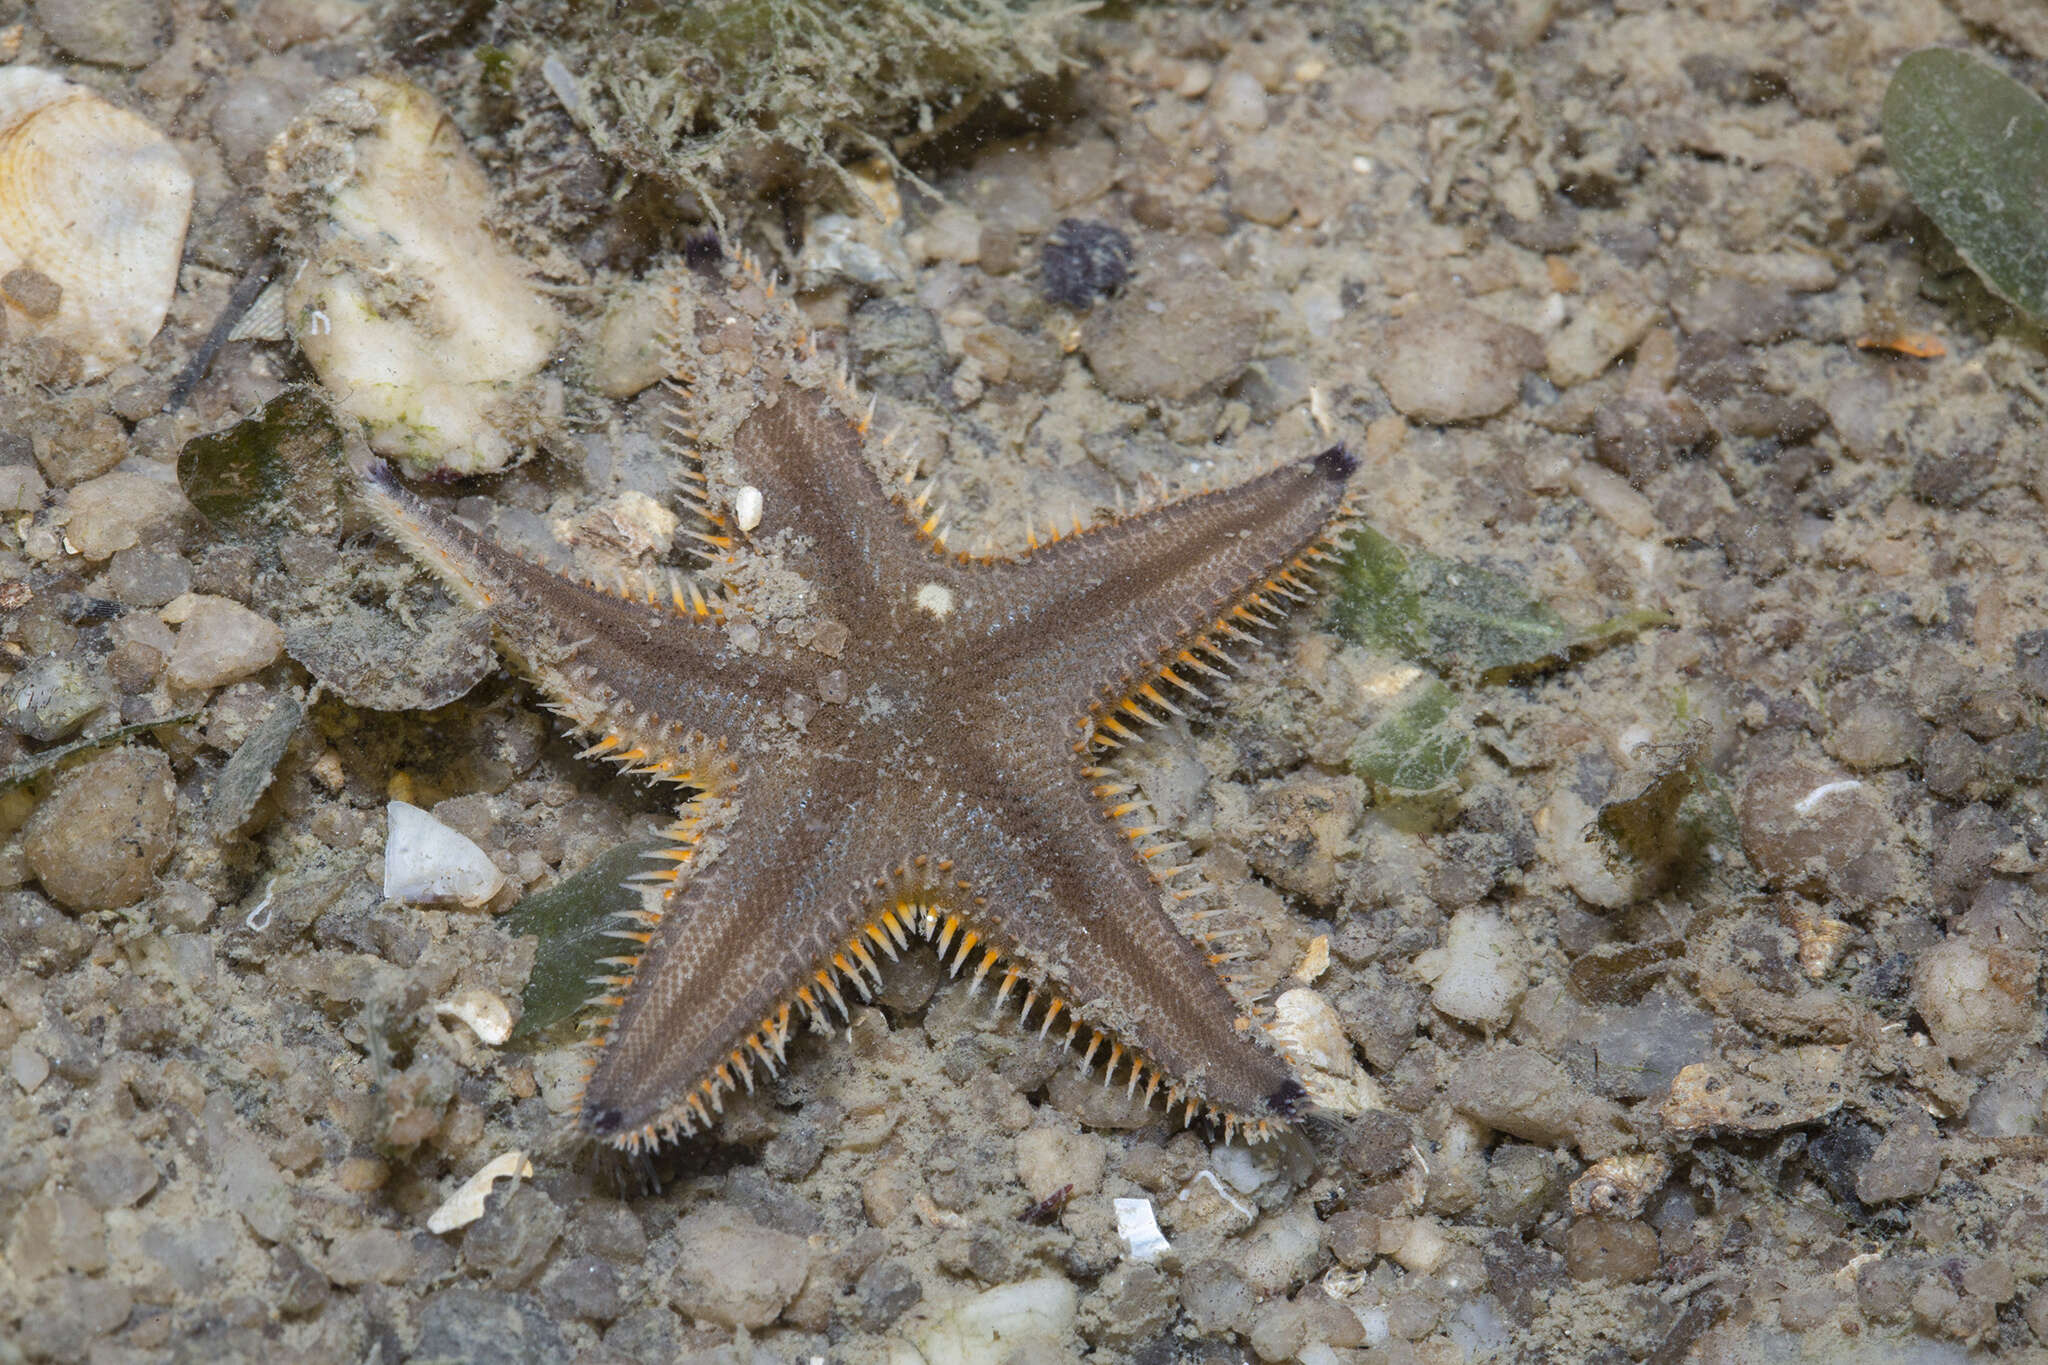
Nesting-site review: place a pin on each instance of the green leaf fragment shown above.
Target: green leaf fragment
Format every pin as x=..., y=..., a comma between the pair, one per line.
x=1458, y=617
x=1972, y=146
x=280, y=470
x=570, y=919
x=1419, y=747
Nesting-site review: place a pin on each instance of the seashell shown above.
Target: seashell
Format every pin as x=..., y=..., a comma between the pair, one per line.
x=95, y=201
x=417, y=320
x=1310, y=1035
x=486, y=1014
x=466, y=1205
x=427, y=862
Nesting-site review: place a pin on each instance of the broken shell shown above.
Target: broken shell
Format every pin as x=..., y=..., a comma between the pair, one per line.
x=96, y=201
x=466, y=1205
x=415, y=317
x=425, y=861
x=1619, y=1186
x=486, y=1014
x=1310, y=1035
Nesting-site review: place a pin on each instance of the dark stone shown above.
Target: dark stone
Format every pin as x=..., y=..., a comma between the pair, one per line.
x=886, y=1290
x=479, y=1327
x=897, y=348
x=1838, y=1154
x=582, y=1287
x=1640, y=437
x=1378, y=1145
x=1083, y=261
x=38, y=937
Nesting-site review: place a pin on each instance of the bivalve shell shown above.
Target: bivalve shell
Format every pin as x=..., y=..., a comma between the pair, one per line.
x=94, y=201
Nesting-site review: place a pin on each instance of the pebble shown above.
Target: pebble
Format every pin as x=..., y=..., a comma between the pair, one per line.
x=254, y=108
x=1905, y=1165
x=218, y=642
x=1011, y=1323
x=510, y=1244
x=1802, y=824
x=733, y=1271
x=96, y=841
x=33, y=292
x=1616, y=1252
x=582, y=1287
x=113, y=1172
x=38, y=937
x=1605, y=328
x=1285, y=1250
x=886, y=1291
x=48, y=700
x=1262, y=196
x=1479, y=975
x=22, y=488
x=1049, y=1159
x=1083, y=261
x=57, y=1230
x=124, y=33
x=1875, y=734
x=897, y=348
x=1239, y=101
x=1184, y=328
x=369, y=1256
x=1639, y=436
x=465, y=1323
x=119, y=511
x=1453, y=363
x=627, y=356
x=146, y=578
x=1520, y=1091
x=1977, y=998
x=82, y=450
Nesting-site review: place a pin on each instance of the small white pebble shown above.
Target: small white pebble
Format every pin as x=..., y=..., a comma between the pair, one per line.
x=936, y=598
x=746, y=508
x=426, y=862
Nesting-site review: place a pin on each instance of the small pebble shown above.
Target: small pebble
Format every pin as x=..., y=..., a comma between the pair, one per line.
x=1906, y=1164
x=218, y=642
x=33, y=292
x=1802, y=825
x=1183, y=329
x=1977, y=998
x=96, y=841
x=48, y=700
x=113, y=1172
x=1616, y=1252
x=1239, y=101
x=125, y=33
x=120, y=511
x=1050, y=1159
x=1454, y=363
x=1083, y=261
x=22, y=488
x=734, y=1272
x=146, y=578
x=1480, y=973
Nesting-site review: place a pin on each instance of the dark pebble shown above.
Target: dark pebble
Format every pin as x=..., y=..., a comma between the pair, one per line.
x=582, y=1287
x=1640, y=437
x=1083, y=261
x=886, y=1290
x=482, y=1328
x=897, y=348
x=511, y=1242
x=38, y=937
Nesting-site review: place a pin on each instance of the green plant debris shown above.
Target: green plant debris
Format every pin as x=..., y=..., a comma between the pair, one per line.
x=1640, y=820
x=570, y=918
x=1972, y=146
x=13, y=777
x=1467, y=621
x=1417, y=748
x=280, y=470
x=701, y=94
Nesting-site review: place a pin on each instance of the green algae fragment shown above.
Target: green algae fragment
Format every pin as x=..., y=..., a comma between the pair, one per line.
x=247, y=775
x=1972, y=146
x=570, y=919
x=280, y=470
x=1462, y=619
x=1418, y=748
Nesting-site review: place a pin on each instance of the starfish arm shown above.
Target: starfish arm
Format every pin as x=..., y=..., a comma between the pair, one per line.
x=649, y=680
x=1074, y=624
x=1094, y=927
x=854, y=541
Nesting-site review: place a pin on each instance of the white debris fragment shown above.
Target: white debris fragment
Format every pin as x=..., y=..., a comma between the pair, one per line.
x=746, y=507
x=426, y=862
x=466, y=1205
x=1310, y=1035
x=1138, y=1226
x=486, y=1014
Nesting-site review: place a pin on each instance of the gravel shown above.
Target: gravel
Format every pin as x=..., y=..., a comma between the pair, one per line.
x=99, y=837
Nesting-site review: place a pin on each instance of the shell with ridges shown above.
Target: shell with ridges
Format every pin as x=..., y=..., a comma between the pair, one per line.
x=97, y=200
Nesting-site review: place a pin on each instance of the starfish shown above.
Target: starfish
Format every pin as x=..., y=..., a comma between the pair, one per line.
x=886, y=739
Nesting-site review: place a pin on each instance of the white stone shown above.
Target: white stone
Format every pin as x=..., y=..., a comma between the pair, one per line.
x=1479, y=974
x=988, y=1328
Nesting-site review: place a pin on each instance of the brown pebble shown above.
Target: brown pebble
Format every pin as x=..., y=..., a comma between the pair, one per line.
x=98, y=838
x=33, y=292
x=361, y=1174
x=1619, y=1253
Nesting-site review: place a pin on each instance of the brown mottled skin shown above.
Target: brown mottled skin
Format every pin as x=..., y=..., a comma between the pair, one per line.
x=942, y=758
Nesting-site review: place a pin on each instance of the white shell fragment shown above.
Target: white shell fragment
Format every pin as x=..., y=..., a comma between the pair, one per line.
x=487, y=1015
x=96, y=201
x=425, y=862
x=466, y=1205
x=1312, y=1037
x=1619, y=1186
x=416, y=318
x=1138, y=1226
